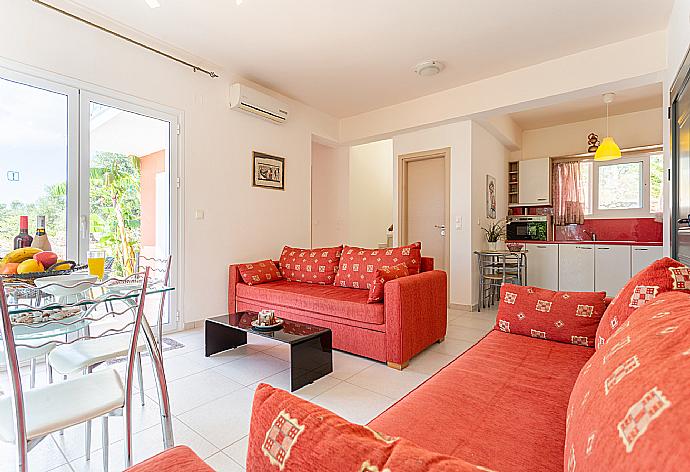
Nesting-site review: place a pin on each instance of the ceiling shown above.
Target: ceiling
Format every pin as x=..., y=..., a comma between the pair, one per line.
x=349, y=57
x=626, y=101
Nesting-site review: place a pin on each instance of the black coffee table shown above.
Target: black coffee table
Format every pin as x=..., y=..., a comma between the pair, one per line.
x=311, y=352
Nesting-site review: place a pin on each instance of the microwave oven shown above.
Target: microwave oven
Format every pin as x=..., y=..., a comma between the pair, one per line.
x=528, y=228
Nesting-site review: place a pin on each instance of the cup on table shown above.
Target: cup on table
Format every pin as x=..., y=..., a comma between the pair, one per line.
x=96, y=262
x=267, y=318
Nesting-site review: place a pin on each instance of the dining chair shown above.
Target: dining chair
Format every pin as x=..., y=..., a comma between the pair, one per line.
x=28, y=417
x=162, y=267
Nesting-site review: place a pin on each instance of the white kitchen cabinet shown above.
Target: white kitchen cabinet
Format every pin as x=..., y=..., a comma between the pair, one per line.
x=542, y=265
x=576, y=267
x=534, y=185
x=611, y=268
x=642, y=256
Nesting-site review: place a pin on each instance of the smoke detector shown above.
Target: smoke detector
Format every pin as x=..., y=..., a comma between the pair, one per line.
x=429, y=68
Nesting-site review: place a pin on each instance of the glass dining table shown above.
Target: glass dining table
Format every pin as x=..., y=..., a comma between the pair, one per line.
x=24, y=300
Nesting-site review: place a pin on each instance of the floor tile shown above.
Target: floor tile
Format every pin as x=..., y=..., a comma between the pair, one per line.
x=251, y=369
x=42, y=458
x=238, y=450
x=429, y=362
x=392, y=383
x=452, y=347
x=282, y=380
x=463, y=332
x=346, y=365
x=222, y=463
x=353, y=403
x=222, y=421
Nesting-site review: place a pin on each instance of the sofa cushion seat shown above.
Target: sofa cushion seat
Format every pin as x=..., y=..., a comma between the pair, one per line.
x=502, y=404
x=339, y=302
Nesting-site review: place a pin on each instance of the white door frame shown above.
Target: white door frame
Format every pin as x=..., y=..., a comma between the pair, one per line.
x=403, y=161
x=86, y=97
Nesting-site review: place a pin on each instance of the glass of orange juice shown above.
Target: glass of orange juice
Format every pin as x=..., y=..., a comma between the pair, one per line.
x=96, y=261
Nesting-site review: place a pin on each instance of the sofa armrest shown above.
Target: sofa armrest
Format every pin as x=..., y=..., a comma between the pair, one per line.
x=416, y=314
x=233, y=279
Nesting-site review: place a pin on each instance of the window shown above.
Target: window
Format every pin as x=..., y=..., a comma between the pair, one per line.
x=627, y=187
x=620, y=186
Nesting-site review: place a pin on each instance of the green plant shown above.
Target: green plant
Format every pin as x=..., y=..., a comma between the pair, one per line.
x=494, y=231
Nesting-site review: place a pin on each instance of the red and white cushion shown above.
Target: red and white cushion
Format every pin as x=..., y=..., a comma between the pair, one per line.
x=568, y=317
x=630, y=408
x=313, y=266
x=659, y=277
x=383, y=275
x=358, y=265
x=256, y=273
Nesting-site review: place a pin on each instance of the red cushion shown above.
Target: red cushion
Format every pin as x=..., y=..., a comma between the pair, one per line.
x=260, y=272
x=567, y=317
x=630, y=407
x=358, y=265
x=340, y=302
x=383, y=275
x=502, y=404
x=656, y=279
x=293, y=435
x=313, y=266
x=173, y=460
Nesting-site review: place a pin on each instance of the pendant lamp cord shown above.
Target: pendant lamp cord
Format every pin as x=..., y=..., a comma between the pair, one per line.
x=607, y=120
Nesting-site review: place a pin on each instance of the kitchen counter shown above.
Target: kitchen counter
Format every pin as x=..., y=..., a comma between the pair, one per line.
x=571, y=241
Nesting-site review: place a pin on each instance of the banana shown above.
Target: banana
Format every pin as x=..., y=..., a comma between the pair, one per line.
x=20, y=255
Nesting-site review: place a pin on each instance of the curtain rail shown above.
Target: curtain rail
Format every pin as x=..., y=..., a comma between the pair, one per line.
x=125, y=38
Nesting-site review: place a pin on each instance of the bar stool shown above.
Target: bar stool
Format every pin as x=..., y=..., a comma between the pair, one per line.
x=497, y=268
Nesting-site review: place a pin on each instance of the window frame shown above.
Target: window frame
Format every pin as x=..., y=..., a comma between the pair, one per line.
x=644, y=211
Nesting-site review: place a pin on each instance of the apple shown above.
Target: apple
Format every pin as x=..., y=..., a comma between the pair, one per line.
x=46, y=258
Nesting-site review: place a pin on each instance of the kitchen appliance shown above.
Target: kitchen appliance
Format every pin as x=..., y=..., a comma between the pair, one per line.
x=528, y=228
x=680, y=163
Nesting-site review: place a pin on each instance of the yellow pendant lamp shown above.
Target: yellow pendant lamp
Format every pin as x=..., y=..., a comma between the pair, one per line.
x=608, y=150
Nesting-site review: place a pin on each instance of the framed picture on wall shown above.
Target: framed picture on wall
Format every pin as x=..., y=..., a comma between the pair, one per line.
x=268, y=171
x=490, y=196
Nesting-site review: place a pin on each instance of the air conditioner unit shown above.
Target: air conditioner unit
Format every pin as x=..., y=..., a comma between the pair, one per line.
x=257, y=103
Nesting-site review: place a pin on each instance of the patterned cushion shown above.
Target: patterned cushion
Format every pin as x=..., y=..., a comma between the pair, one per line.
x=173, y=460
x=383, y=275
x=288, y=434
x=313, y=266
x=260, y=272
x=567, y=317
x=661, y=276
x=358, y=265
x=630, y=407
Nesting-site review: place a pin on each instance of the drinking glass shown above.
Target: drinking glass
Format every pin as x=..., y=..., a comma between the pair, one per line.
x=96, y=261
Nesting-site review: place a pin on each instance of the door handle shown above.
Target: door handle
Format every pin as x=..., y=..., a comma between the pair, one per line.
x=684, y=221
x=440, y=226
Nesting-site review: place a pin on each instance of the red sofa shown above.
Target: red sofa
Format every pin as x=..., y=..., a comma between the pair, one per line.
x=513, y=402
x=412, y=317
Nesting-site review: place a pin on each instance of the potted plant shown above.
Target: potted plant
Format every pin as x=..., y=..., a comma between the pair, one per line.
x=494, y=232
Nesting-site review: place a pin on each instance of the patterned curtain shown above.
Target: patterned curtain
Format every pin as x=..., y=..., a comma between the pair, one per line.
x=568, y=194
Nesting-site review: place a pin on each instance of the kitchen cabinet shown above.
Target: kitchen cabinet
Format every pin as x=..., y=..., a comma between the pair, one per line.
x=542, y=265
x=576, y=267
x=534, y=186
x=611, y=268
x=642, y=256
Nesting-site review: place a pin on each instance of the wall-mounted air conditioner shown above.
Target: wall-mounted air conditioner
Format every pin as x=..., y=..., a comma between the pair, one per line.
x=257, y=103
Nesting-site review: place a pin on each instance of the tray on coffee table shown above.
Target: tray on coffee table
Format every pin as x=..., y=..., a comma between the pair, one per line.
x=311, y=352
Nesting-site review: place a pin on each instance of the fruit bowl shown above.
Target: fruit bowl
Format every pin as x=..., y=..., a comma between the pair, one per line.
x=71, y=284
x=515, y=247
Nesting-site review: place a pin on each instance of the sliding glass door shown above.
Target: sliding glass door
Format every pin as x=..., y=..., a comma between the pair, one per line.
x=103, y=172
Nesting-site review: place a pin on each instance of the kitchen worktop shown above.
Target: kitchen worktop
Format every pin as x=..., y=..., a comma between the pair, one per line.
x=574, y=241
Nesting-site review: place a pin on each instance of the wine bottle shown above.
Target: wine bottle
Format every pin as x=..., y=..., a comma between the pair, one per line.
x=41, y=240
x=23, y=239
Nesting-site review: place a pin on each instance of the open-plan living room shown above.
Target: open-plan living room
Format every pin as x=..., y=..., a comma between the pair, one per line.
x=344, y=236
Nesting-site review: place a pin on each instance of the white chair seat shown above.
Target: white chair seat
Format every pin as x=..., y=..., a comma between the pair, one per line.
x=25, y=354
x=64, y=404
x=69, y=358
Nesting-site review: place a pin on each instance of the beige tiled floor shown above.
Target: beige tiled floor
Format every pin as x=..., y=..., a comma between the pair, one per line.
x=211, y=397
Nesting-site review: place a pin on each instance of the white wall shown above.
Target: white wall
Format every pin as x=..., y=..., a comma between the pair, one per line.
x=678, y=42
x=371, y=193
x=631, y=129
x=241, y=222
x=330, y=195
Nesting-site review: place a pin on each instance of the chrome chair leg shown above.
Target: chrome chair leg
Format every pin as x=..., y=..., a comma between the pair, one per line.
x=106, y=442
x=140, y=378
x=88, y=440
x=32, y=379
x=49, y=371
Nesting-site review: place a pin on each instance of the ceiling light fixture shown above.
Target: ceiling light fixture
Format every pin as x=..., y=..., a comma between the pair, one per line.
x=152, y=3
x=429, y=68
x=608, y=150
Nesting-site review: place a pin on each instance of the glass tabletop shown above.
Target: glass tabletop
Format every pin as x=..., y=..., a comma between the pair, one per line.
x=290, y=332
x=69, y=311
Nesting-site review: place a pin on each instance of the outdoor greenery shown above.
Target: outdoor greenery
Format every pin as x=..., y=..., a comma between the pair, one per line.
x=115, y=211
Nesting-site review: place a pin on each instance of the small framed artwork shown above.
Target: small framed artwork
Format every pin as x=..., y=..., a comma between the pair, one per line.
x=268, y=171
x=490, y=196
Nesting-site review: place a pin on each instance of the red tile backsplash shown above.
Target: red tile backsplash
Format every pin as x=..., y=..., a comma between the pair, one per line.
x=619, y=229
